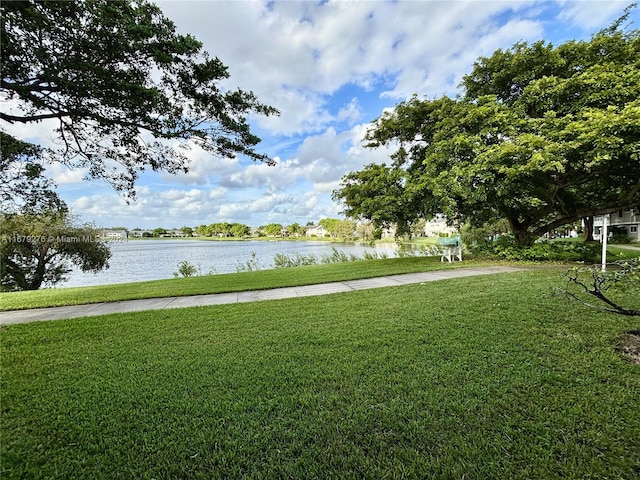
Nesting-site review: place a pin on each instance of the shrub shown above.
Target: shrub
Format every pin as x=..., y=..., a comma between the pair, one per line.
x=506, y=248
x=619, y=235
x=187, y=269
x=336, y=256
x=419, y=251
x=280, y=260
x=251, y=265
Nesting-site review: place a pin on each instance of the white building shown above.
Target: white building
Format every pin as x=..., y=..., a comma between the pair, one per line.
x=437, y=227
x=141, y=233
x=628, y=220
x=113, y=234
x=315, y=231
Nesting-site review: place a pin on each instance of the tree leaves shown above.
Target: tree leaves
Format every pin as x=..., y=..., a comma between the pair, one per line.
x=23, y=186
x=542, y=137
x=39, y=249
x=123, y=87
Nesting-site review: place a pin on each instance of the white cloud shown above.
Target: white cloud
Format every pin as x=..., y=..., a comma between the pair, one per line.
x=301, y=111
x=350, y=113
x=203, y=166
x=41, y=132
x=63, y=175
x=590, y=14
x=294, y=54
x=168, y=208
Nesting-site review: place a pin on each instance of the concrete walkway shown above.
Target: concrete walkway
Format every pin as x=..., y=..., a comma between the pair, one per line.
x=75, y=311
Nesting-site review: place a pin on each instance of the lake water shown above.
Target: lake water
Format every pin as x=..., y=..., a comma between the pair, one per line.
x=141, y=260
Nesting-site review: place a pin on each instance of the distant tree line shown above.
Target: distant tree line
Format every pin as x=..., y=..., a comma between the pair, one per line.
x=223, y=229
x=335, y=228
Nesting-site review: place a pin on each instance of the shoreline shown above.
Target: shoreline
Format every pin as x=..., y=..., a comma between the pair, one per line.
x=272, y=239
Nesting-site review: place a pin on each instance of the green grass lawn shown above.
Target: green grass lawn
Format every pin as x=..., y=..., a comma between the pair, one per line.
x=479, y=378
x=231, y=282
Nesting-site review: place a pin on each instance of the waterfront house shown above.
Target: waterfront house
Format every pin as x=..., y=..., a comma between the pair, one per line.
x=438, y=227
x=137, y=233
x=627, y=220
x=113, y=234
x=315, y=231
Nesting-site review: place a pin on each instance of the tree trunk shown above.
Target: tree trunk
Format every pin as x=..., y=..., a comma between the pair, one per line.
x=521, y=233
x=38, y=276
x=524, y=238
x=588, y=229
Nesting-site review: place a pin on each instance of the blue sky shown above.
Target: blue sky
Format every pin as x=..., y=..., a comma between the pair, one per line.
x=330, y=68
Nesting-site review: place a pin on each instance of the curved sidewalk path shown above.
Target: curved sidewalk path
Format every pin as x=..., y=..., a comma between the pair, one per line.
x=92, y=309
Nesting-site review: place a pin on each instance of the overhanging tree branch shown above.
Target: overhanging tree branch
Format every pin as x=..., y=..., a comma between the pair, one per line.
x=90, y=64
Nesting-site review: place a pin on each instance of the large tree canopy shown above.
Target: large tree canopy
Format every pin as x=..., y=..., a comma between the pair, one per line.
x=125, y=89
x=23, y=185
x=39, y=241
x=40, y=249
x=542, y=137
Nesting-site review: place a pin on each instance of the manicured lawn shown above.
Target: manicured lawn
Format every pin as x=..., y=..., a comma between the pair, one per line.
x=233, y=282
x=477, y=378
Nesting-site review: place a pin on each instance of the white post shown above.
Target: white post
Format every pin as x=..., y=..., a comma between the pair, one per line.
x=604, y=236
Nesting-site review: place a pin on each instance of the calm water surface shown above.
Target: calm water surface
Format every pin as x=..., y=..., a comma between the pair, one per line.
x=141, y=260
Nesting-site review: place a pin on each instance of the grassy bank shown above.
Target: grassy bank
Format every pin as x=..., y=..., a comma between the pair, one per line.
x=243, y=281
x=484, y=377
x=232, y=282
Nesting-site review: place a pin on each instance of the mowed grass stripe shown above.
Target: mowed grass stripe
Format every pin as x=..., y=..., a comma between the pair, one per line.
x=485, y=377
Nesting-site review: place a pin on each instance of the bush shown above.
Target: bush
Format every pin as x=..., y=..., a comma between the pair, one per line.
x=282, y=260
x=506, y=248
x=420, y=251
x=251, y=265
x=619, y=235
x=336, y=256
x=187, y=269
